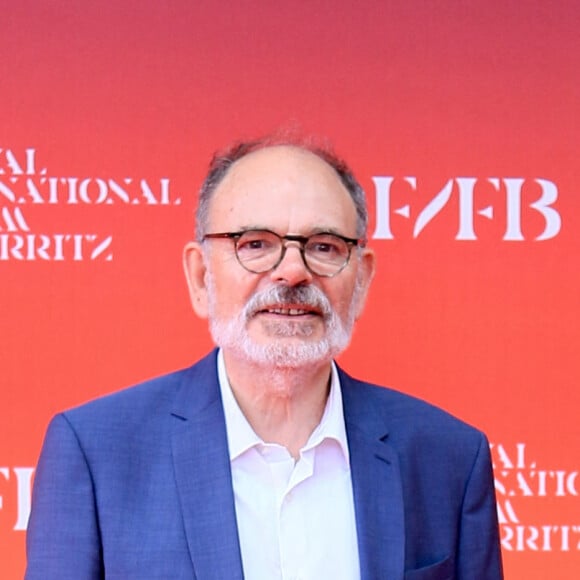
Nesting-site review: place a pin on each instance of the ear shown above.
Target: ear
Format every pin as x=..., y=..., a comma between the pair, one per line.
x=195, y=271
x=365, y=276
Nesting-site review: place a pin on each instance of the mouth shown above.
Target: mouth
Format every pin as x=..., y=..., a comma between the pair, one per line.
x=289, y=310
x=288, y=304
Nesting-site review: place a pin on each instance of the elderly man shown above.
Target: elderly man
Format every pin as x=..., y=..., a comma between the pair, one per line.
x=264, y=460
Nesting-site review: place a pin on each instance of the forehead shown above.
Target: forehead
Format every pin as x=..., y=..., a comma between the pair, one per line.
x=283, y=188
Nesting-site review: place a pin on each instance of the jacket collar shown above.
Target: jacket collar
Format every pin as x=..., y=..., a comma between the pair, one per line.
x=376, y=481
x=203, y=476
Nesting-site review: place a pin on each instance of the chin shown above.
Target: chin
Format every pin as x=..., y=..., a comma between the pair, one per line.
x=282, y=346
x=288, y=354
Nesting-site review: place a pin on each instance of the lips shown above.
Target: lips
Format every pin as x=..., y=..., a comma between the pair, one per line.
x=284, y=301
x=287, y=311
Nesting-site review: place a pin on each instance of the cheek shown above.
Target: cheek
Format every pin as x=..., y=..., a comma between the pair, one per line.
x=229, y=294
x=339, y=296
x=347, y=293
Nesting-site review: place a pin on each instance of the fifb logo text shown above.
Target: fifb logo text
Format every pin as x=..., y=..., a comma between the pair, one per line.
x=468, y=201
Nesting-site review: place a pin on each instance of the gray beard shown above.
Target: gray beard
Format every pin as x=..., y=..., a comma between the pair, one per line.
x=233, y=335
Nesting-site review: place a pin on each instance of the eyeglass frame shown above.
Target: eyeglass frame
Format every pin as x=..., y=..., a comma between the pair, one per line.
x=301, y=240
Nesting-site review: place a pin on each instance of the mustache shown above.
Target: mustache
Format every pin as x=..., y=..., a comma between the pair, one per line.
x=309, y=296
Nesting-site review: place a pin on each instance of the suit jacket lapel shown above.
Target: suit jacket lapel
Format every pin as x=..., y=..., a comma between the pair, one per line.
x=203, y=475
x=376, y=481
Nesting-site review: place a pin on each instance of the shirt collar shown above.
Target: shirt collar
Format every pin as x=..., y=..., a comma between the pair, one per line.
x=242, y=437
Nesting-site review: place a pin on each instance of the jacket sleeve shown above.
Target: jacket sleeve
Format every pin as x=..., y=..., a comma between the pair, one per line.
x=479, y=554
x=63, y=539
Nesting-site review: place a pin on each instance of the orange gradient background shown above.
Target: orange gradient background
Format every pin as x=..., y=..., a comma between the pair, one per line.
x=486, y=328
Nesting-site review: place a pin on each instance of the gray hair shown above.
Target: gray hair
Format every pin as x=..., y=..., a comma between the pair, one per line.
x=223, y=160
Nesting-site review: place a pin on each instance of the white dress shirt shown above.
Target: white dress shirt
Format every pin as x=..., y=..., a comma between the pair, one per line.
x=295, y=519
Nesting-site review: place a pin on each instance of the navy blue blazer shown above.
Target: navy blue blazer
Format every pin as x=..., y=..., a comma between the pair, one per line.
x=137, y=485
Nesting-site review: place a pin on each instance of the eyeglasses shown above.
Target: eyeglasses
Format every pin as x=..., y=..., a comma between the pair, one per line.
x=258, y=251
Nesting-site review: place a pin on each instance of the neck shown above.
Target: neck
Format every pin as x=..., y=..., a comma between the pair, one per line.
x=283, y=405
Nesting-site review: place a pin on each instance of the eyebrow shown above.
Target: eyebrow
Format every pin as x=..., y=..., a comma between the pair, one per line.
x=311, y=232
x=328, y=230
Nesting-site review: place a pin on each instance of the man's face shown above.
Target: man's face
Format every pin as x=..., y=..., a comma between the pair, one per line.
x=287, y=316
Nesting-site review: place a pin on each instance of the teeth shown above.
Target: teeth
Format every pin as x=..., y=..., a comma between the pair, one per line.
x=288, y=311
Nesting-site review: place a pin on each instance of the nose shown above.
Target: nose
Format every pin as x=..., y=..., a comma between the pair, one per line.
x=291, y=270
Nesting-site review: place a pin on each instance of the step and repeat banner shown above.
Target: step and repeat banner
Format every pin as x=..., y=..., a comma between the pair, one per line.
x=462, y=121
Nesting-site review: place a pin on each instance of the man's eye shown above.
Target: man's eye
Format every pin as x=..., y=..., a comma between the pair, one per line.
x=323, y=248
x=255, y=243
x=247, y=245
x=326, y=246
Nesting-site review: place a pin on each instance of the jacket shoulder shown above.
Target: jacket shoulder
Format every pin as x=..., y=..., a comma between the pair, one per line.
x=404, y=416
x=155, y=397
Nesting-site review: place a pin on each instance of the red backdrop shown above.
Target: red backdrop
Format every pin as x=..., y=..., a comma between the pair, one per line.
x=462, y=121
